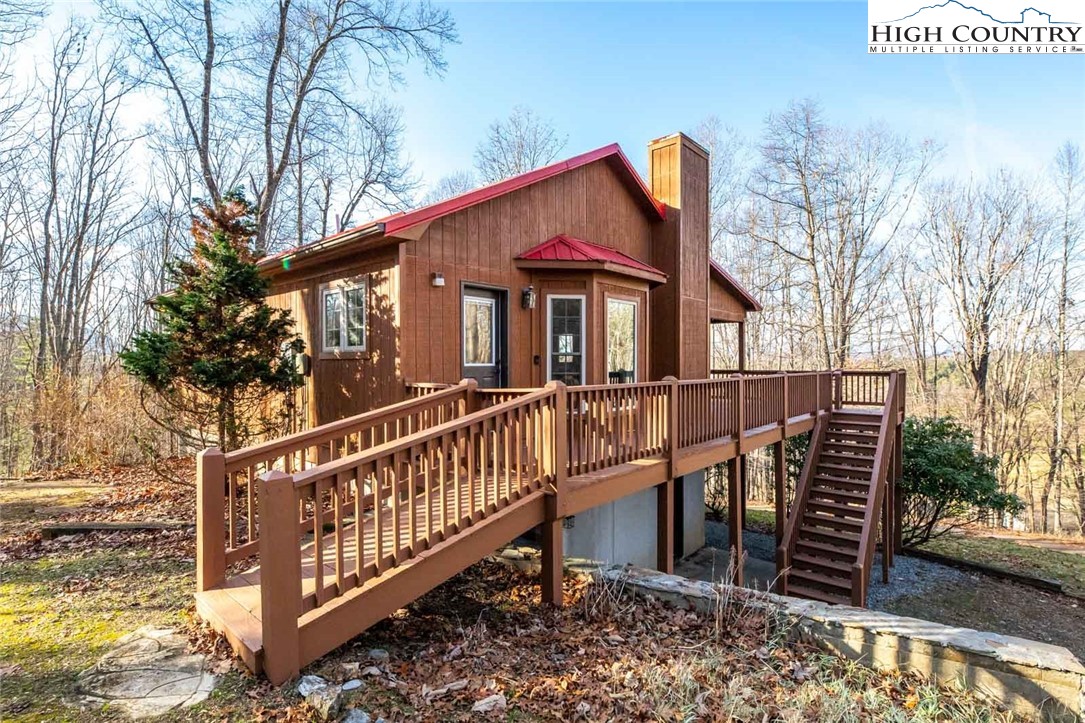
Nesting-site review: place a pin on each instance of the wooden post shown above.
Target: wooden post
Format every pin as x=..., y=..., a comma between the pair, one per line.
x=779, y=470
x=556, y=439
x=280, y=576
x=211, y=490
x=742, y=346
x=470, y=398
x=552, y=556
x=838, y=389
x=673, y=433
x=898, y=469
x=665, y=526
x=734, y=518
x=743, y=468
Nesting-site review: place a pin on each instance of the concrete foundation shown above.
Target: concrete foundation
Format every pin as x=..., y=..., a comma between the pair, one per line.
x=624, y=532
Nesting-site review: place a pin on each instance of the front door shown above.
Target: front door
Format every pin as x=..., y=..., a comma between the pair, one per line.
x=485, y=336
x=565, y=338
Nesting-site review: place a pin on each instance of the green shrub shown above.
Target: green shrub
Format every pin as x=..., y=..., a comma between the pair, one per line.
x=946, y=482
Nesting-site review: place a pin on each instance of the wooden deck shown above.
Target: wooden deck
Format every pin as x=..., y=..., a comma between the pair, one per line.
x=409, y=495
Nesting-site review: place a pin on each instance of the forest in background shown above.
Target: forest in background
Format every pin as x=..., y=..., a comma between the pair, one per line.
x=861, y=254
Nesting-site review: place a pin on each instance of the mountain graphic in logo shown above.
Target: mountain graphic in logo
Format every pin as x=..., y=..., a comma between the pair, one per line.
x=936, y=13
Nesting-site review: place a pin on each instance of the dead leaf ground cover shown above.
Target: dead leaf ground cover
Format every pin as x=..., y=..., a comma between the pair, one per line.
x=62, y=603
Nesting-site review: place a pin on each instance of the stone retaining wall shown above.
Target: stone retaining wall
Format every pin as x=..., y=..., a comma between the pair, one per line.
x=1031, y=678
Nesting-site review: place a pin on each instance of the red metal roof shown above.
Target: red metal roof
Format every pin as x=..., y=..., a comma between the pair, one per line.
x=399, y=222
x=567, y=248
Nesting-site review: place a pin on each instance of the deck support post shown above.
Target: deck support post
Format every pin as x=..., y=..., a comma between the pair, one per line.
x=734, y=518
x=211, y=492
x=280, y=577
x=779, y=471
x=552, y=557
x=555, y=416
x=665, y=510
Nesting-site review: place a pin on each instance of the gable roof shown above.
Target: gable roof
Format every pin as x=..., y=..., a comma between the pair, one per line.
x=406, y=221
x=564, y=251
x=730, y=283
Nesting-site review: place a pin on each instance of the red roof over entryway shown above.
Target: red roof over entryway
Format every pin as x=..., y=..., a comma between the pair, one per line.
x=563, y=249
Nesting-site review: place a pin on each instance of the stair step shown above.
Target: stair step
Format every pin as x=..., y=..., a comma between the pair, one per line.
x=824, y=549
x=862, y=460
x=836, y=583
x=836, y=523
x=828, y=480
x=854, y=447
x=834, y=435
x=820, y=534
x=856, y=414
x=836, y=508
x=820, y=595
x=838, y=495
x=829, y=567
x=846, y=470
x=855, y=423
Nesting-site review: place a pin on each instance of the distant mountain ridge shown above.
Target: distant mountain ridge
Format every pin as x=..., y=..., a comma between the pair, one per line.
x=985, y=14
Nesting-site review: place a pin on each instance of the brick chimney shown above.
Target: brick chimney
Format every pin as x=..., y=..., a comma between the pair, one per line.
x=678, y=176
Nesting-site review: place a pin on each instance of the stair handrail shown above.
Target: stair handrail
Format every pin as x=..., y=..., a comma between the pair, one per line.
x=860, y=570
x=219, y=501
x=273, y=448
x=786, y=549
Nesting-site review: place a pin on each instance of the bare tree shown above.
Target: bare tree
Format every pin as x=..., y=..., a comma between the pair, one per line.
x=517, y=144
x=842, y=197
x=449, y=186
x=979, y=237
x=1070, y=224
x=77, y=208
x=257, y=79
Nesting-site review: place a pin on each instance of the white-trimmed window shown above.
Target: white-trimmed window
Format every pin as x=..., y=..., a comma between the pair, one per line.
x=621, y=341
x=344, y=311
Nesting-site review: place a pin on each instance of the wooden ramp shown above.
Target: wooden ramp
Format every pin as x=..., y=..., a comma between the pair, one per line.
x=235, y=608
x=305, y=541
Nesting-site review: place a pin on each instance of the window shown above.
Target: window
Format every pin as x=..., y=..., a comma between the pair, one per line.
x=478, y=331
x=621, y=341
x=344, y=317
x=565, y=332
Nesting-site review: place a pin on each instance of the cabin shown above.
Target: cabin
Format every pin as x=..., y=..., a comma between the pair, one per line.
x=579, y=272
x=529, y=358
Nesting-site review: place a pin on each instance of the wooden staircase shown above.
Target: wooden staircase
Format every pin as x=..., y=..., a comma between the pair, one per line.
x=828, y=543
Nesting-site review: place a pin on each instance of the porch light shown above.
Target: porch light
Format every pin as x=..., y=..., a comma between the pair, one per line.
x=438, y=279
x=528, y=298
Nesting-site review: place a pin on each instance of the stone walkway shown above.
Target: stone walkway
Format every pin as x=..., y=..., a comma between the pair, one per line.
x=149, y=672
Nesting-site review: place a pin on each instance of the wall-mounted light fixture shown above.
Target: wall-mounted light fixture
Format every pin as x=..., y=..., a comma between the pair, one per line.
x=528, y=298
x=438, y=279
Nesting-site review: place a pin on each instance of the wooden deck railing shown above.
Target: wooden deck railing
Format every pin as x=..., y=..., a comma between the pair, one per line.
x=368, y=512
x=228, y=512
x=611, y=424
x=332, y=508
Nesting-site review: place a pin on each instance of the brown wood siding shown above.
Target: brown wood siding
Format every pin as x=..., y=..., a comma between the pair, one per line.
x=479, y=245
x=678, y=176
x=342, y=385
x=722, y=304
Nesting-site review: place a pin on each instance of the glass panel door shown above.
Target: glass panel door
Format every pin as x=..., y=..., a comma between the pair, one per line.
x=565, y=337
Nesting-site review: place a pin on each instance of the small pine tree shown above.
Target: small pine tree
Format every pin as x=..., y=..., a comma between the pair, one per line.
x=221, y=359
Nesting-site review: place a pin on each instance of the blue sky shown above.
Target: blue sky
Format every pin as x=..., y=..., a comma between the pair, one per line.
x=630, y=72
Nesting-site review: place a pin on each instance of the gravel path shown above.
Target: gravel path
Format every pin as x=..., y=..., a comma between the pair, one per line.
x=908, y=576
